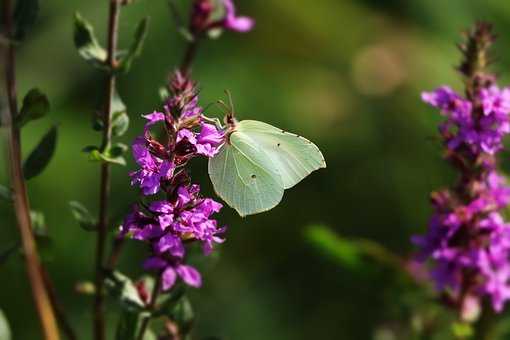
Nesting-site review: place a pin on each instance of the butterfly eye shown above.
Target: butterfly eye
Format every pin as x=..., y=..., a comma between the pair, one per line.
x=253, y=176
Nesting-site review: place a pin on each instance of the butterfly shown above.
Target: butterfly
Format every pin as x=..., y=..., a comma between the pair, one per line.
x=257, y=162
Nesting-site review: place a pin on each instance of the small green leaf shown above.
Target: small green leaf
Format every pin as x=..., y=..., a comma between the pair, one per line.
x=163, y=93
x=45, y=244
x=136, y=47
x=462, y=330
x=117, y=103
x=346, y=252
x=167, y=302
x=5, y=193
x=5, y=330
x=38, y=223
x=129, y=326
x=113, y=154
x=87, y=44
x=35, y=106
x=214, y=33
x=25, y=15
x=120, y=123
x=183, y=315
x=83, y=216
x=41, y=155
x=123, y=289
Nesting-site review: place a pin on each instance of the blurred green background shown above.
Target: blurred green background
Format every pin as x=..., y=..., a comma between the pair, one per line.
x=346, y=74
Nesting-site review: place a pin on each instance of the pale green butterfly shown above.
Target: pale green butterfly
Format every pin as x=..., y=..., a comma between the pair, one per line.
x=258, y=162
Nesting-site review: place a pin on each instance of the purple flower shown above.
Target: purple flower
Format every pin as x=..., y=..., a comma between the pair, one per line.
x=463, y=128
x=170, y=272
x=234, y=22
x=206, y=143
x=153, y=170
x=202, y=18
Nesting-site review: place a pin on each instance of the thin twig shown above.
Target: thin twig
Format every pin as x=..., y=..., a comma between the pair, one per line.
x=21, y=203
x=57, y=306
x=150, y=307
x=118, y=246
x=189, y=56
x=99, y=324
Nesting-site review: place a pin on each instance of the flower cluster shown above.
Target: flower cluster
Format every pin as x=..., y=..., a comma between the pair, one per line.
x=183, y=216
x=463, y=127
x=468, y=239
x=202, y=17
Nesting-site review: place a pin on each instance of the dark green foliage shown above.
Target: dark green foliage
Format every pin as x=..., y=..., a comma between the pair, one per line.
x=35, y=106
x=87, y=44
x=40, y=157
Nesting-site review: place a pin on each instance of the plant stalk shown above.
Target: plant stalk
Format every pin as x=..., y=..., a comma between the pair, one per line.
x=113, y=23
x=21, y=203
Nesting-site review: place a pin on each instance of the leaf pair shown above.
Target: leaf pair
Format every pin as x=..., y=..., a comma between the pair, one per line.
x=112, y=154
x=258, y=162
x=90, y=49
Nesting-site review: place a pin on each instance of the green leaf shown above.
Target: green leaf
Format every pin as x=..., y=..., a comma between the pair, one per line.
x=183, y=315
x=123, y=289
x=83, y=216
x=5, y=193
x=5, y=330
x=343, y=250
x=112, y=154
x=117, y=103
x=353, y=252
x=167, y=302
x=45, y=245
x=136, y=47
x=41, y=155
x=462, y=330
x=129, y=326
x=35, y=106
x=38, y=223
x=120, y=123
x=87, y=44
x=25, y=15
x=163, y=94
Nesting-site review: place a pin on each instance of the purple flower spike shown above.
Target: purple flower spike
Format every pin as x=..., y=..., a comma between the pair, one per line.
x=468, y=240
x=180, y=215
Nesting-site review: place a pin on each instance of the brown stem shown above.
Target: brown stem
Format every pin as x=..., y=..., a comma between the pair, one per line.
x=113, y=22
x=189, y=56
x=21, y=203
x=57, y=306
x=118, y=246
x=150, y=307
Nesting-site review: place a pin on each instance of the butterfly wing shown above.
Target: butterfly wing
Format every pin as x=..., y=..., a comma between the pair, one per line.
x=245, y=177
x=293, y=156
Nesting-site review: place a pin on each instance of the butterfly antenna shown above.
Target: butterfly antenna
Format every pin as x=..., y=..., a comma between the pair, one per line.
x=208, y=107
x=223, y=106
